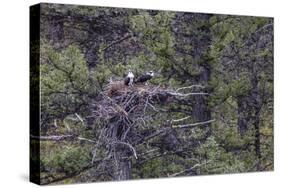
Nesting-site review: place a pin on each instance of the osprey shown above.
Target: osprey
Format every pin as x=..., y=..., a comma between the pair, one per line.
x=129, y=79
x=145, y=77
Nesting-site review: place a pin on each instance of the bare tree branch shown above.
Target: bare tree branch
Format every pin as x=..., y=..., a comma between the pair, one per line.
x=189, y=87
x=193, y=124
x=116, y=42
x=53, y=137
x=185, y=95
x=188, y=169
x=61, y=138
x=182, y=119
x=79, y=117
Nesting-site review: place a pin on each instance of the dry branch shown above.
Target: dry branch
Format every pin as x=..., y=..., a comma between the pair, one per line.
x=61, y=138
x=182, y=119
x=193, y=124
x=53, y=137
x=116, y=42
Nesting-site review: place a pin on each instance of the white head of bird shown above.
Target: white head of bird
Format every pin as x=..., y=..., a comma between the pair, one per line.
x=151, y=73
x=130, y=74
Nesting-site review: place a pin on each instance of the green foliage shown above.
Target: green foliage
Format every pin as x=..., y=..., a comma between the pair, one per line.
x=157, y=167
x=240, y=86
x=219, y=161
x=64, y=76
x=70, y=159
x=64, y=70
x=152, y=169
x=157, y=38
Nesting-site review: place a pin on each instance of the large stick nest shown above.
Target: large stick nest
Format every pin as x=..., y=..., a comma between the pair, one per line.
x=129, y=115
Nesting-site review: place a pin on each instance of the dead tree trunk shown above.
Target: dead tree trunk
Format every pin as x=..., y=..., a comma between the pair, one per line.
x=123, y=171
x=121, y=149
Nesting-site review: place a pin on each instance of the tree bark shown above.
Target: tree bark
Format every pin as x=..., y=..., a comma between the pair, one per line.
x=201, y=112
x=243, y=117
x=122, y=155
x=257, y=105
x=125, y=167
x=56, y=30
x=257, y=139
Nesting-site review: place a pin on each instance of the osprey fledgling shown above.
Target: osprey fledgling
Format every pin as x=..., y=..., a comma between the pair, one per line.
x=129, y=79
x=145, y=77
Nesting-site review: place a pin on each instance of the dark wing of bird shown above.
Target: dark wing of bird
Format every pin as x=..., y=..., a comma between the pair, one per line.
x=126, y=81
x=144, y=78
